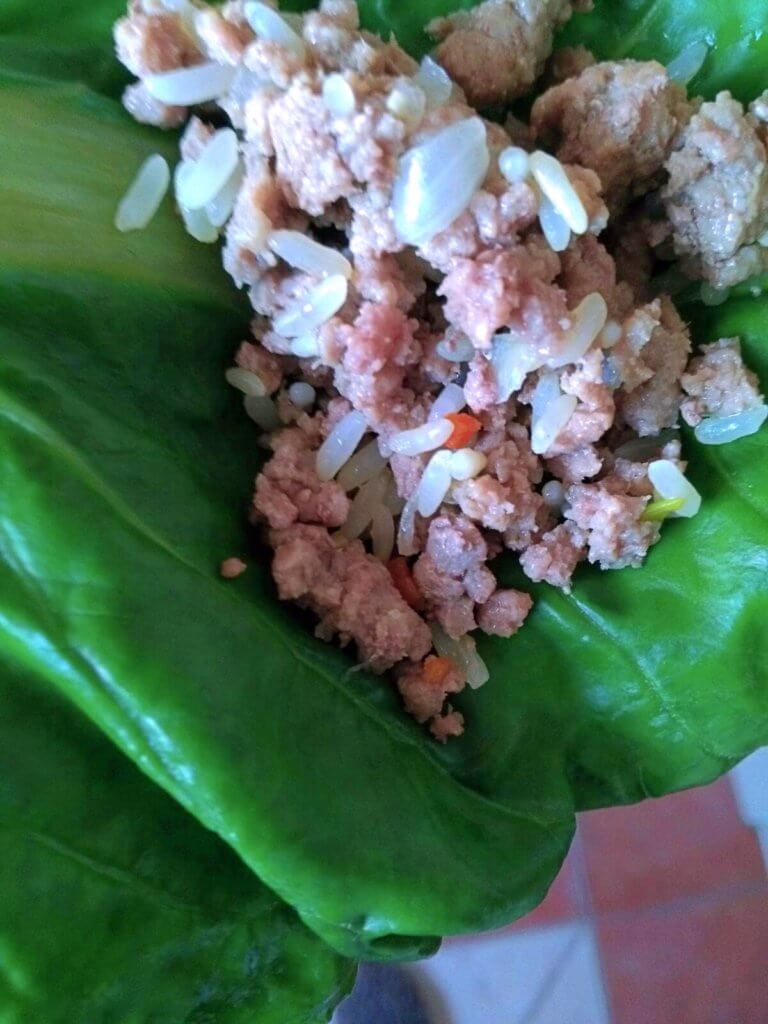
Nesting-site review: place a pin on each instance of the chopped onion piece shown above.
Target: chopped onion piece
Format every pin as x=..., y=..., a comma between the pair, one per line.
x=426, y=438
x=362, y=467
x=551, y=410
x=187, y=87
x=512, y=358
x=466, y=463
x=434, y=81
x=220, y=208
x=450, y=399
x=514, y=164
x=263, y=411
x=211, y=171
x=434, y=483
x=269, y=25
x=340, y=444
x=669, y=482
x=456, y=350
x=407, y=102
x=368, y=498
x=144, y=195
x=383, y=533
x=722, y=429
x=686, y=65
x=555, y=184
x=713, y=296
x=437, y=178
x=306, y=346
x=463, y=653
x=304, y=253
x=406, y=530
x=318, y=306
x=338, y=95
x=553, y=226
x=588, y=320
x=247, y=381
x=302, y=394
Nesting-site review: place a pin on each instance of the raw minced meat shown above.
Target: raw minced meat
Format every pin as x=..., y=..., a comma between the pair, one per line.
x=717, y=383
x=544, y=358
x=618, y=118
x=717, y=194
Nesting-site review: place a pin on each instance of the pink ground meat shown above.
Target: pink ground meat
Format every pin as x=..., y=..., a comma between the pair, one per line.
x=717, y=194
x=717, y=383
x=496, y=51
x=554, y=558
x=352, y=594
x=418, y=319
x=617, y=118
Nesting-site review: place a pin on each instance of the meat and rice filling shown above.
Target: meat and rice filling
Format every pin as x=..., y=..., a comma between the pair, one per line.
x=451, y=353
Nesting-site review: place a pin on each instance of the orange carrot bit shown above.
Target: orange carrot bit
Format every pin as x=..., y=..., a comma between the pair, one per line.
x=464, y=429
x=402, y=577
x=435, y=669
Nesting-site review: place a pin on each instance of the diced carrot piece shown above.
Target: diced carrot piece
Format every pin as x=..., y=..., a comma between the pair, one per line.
x=464, y=429
x=402, y=577
x=436, y=669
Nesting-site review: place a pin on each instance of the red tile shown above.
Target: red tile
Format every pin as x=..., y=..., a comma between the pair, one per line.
x=561, y=903
x=706, y=963
x=661, y=850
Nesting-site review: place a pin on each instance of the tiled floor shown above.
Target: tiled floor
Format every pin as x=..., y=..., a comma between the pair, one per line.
x=660, y=916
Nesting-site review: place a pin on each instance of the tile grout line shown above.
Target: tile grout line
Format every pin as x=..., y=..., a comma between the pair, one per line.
x=586, y=910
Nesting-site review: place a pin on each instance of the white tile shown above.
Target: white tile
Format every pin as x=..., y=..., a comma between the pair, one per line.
x=750, y=785
x=576, y=995
x=503, y=977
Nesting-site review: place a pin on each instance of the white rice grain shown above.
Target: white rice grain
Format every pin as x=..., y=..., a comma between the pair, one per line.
x=466, y=463
x=199, y=226
x=426, y=438
x=512, y=358
x=187, y=87
x=364, y=504
x=383, y=533
x=555, y=184
x=211, y=172
x=451, y=399
x=362, y=467
x=145, y=193
x=407, y=102
x=247, y=381
x=302, y=394
x=463, y=653
x=687, y=64
x=514, y=164
x=318, y=306
x=669, y=482
x=436, y=180
x=306, y=346
x=304, y=253
x=551, y=411
x=269, y=25
x=263, y=411
x=219, y=209
x=340, y=444
x=406, y=530
x=722, y=429
x=434, y=483
x=587, y=321
x=338, y=95
x=553, y=494
x=434, y=81
x=553, y=226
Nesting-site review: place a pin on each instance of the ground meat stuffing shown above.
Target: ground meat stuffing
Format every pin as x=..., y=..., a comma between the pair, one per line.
x=717, y=194
x=495, y=386
x=618, y=118
x=717, y=383
x=497, y=50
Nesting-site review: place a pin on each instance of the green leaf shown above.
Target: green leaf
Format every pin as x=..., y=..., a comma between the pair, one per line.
x=125, y=467
x=117, y=905
x=662, y=29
